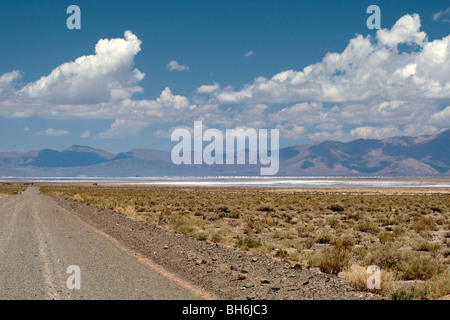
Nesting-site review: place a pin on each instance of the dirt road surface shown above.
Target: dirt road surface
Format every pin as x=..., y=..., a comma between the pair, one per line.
x=39, y=241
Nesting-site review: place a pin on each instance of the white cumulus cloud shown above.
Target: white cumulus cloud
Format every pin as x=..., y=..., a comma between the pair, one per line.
x=367, y=69
x=105, y=76
x=97, y=86
x=208, y=88
x=379, y=85
x=174, y=66
x=405, y=30
x=391, y=83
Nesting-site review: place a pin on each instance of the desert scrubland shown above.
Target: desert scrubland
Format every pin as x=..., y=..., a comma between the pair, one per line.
x=341, y=231
x=7, y=188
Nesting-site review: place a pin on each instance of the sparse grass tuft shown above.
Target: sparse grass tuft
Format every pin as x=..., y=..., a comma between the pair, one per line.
x=436, y=287
x=248, y=242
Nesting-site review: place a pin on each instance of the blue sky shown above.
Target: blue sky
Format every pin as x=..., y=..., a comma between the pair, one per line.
x=309, y=68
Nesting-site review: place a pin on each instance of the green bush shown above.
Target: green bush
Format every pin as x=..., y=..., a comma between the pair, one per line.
x=408, y=265
x=248, y=242
x=412, y=293
x=414, y=267
x=386, y=256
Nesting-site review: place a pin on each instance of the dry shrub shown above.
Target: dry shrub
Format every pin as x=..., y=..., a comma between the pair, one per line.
x=355, y=216
x=331, y=260
x=164, y=215
x=324, y=237
x=129, y=211
x=357, y=277
x=336, y=208
x=368, y=226
x=349, y=240
x=424, y=224
x=78, y=198
x=415, y=267
x=386, y=256
x=436, y=287
x=308, y=243
x=445, y=252
x=281, y=253
x=248, y=242
x=408, y=265
x=333, y=222
x=233, y=214
x=359, y=252
x=385, y=236
x=418, y=243
x=266, y=208
x=9, y=188
x=397, y=230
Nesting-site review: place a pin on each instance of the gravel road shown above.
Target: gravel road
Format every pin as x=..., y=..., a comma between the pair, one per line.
x=40, y=240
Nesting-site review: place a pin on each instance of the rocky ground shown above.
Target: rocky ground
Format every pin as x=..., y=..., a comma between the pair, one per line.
x=224, y=272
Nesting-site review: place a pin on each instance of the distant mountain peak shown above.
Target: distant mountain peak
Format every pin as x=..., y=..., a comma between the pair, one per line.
x=102, y=153
x=426, y=155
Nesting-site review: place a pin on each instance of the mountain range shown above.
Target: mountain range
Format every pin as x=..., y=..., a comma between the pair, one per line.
x=401, y=156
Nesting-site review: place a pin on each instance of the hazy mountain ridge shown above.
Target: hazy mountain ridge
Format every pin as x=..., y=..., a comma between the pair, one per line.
x=395, y=156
